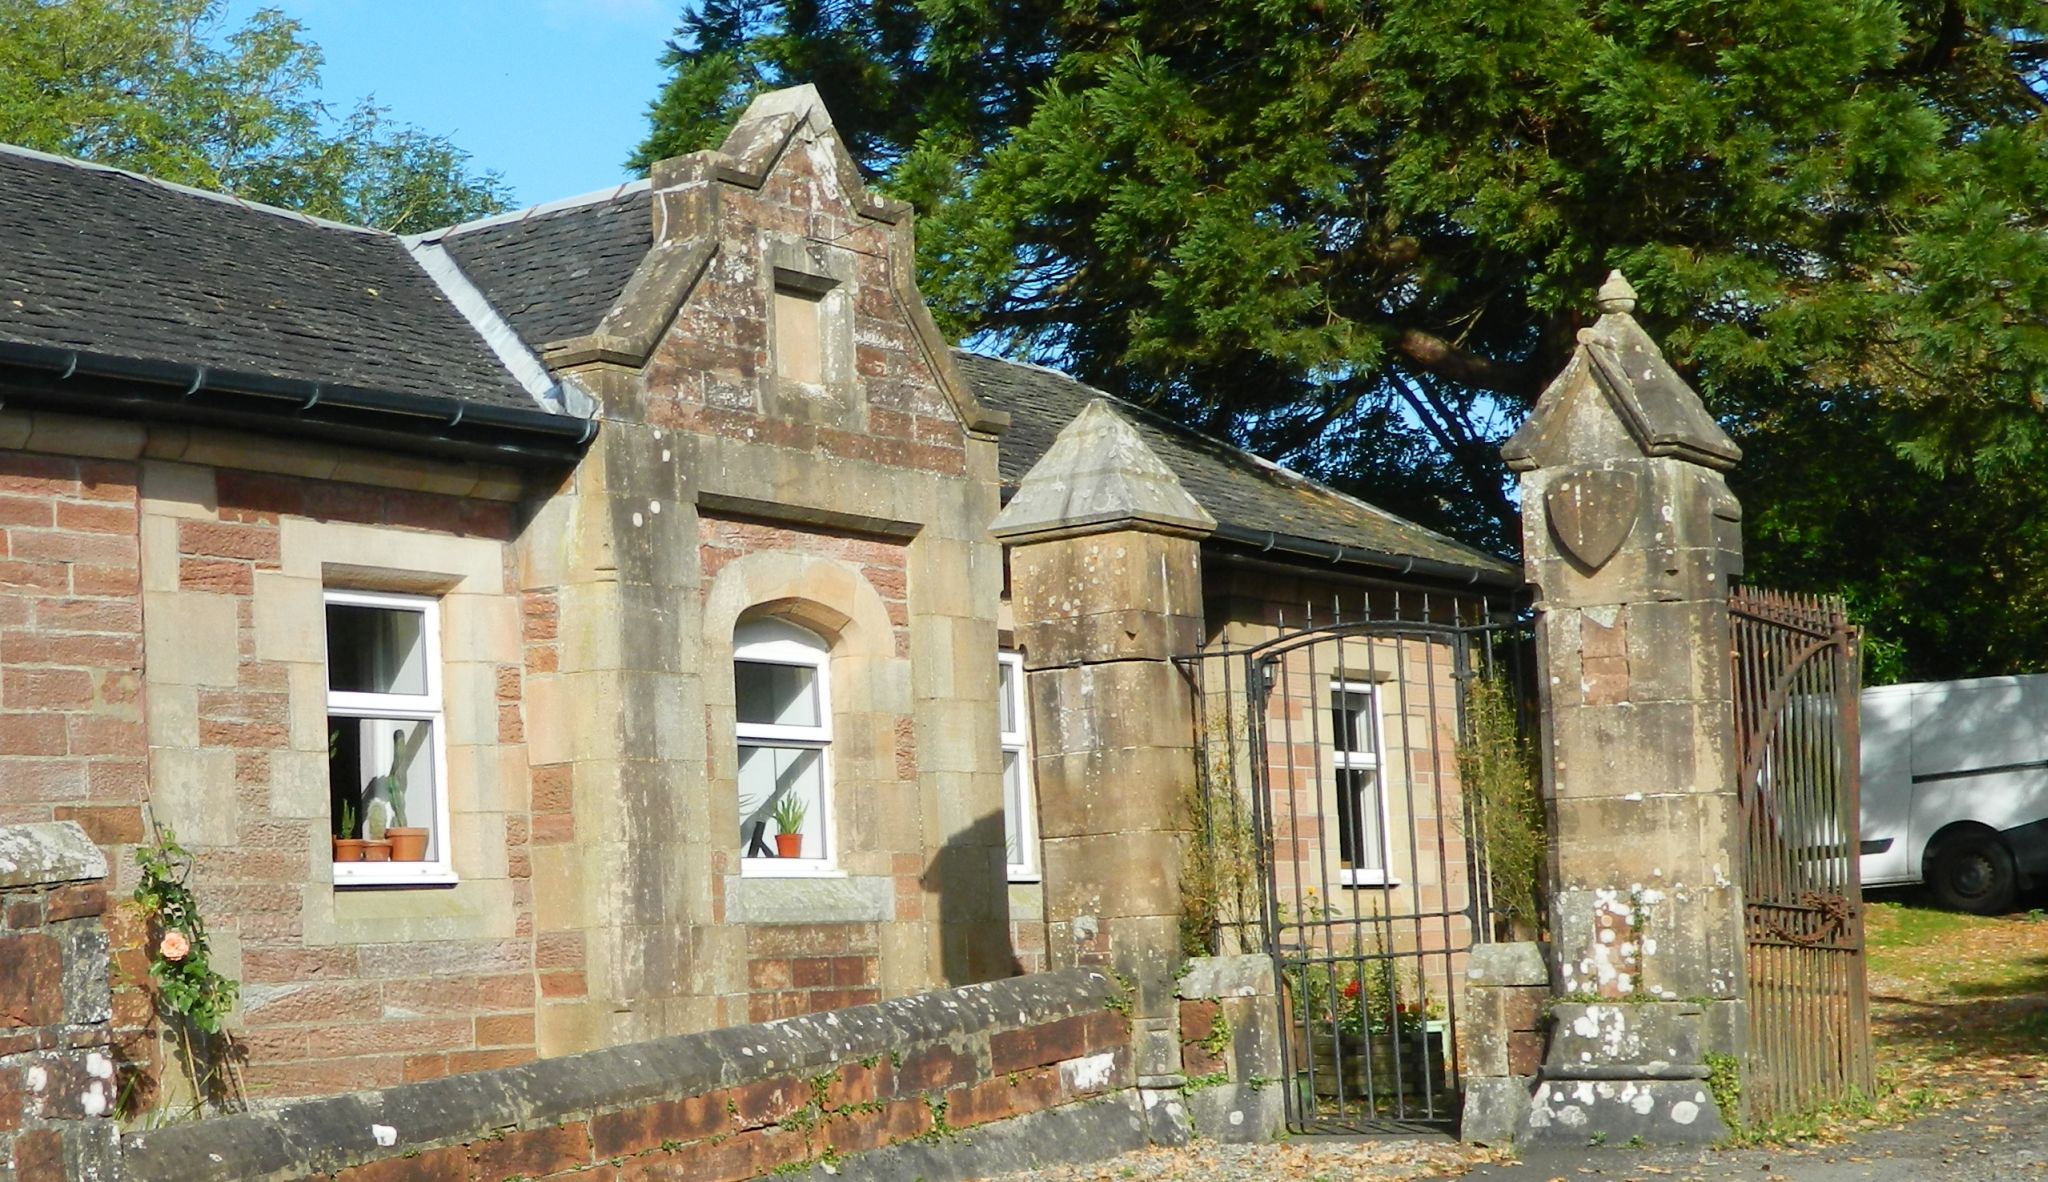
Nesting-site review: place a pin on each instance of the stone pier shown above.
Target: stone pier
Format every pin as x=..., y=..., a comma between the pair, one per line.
x=1106, y=582
x=1630, y=536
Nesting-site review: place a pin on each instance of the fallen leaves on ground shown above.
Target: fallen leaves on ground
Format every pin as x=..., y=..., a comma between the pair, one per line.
x=1307, y=1160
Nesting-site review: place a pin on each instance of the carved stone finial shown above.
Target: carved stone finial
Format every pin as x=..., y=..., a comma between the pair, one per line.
x=1616, y=296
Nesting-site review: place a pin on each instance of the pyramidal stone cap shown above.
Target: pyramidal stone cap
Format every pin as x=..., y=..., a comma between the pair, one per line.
x=1099, y=476
x=1661, y=412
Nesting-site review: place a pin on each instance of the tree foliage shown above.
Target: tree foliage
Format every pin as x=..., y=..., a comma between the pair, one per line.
x=162, y=87
x=1360, y=235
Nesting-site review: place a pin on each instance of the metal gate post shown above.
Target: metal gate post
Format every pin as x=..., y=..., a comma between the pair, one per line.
x=1106, y=584
x=1630, y=536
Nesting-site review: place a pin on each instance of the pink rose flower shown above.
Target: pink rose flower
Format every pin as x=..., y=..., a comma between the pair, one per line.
x=175, y=946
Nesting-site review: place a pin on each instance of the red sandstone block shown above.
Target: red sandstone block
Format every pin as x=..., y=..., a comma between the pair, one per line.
x=1525, y=1052
x=761, y=1007
x=810, y=972
x=766, y=1102
x=107, y=480
x=106, y=824
x=558, y=950
x=326, y=1077
x=213, y=539
x=1004, y=1096
x=117, y=779
x=464, y=1062
x=1524, y=1006
x=768, y=973
x=21, y=912
x=505, y=1030
x=103, y=517
x=635, y=1130
x=533, y=1153
x=357, y=1038
x=554, y=788
x=935, y=1067
x=424, y=1067
x=216, y=575
x=56, y=545
x=85, y=650
x=89, y=734
x=297, y=964
x=1034, y=1046
x=39, y=734
x=45, y=689
x=94, y=579
x=263, y=736
x=88, y=615
x=1106, y=1029
x=51, y=576
x=316, y=1002
x=70, y=902
x=554, y=828
x=857, y=1132
x=450, y=1164
x=857, y=1083
x=853, y=970
x=30, y=511
x=569, y=983
x=39, y=1156
x=38, y=476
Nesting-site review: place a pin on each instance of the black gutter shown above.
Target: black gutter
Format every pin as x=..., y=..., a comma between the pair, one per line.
x=1264, y=540
x=429, y=424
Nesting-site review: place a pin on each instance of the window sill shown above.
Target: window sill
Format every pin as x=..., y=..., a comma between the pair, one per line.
x=393, y=874
x=788, y=868
x=1361, y=880
x=1026, y=877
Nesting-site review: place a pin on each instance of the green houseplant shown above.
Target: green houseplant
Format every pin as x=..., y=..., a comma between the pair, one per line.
x=789, y=827
x=347, y=846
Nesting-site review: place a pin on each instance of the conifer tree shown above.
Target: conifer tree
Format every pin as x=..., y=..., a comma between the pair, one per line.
x=1360, y=235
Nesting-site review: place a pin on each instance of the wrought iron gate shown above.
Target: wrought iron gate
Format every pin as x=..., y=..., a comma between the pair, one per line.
x=1796, y=688
x=1333, y=765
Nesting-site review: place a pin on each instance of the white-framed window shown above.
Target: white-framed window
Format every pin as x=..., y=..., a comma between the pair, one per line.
x=1020, y=802
x=386, y=752
x=782, y=720
x=1361, y=795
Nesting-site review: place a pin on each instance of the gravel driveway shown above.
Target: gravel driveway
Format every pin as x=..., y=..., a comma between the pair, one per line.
x=2000, y=1139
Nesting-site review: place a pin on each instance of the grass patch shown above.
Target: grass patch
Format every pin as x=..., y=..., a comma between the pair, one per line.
x=1958, y=1005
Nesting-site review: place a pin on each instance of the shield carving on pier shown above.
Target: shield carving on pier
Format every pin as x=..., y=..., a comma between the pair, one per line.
x=1591, y=511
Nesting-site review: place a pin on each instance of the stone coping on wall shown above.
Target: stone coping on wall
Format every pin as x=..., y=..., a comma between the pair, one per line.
x=316, y=1137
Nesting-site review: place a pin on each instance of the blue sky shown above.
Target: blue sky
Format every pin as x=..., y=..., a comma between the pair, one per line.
x=551, y=93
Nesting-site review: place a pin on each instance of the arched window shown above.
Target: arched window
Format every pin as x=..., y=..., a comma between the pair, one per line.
x=783, y=723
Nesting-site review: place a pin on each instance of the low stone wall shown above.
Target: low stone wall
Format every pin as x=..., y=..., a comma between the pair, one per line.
x=56, y=1062
x=1506, y=988
x=1230, y=1048
x=1009, y=1075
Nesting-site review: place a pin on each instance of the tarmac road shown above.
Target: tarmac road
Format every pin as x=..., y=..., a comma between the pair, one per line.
x=2004, y=1139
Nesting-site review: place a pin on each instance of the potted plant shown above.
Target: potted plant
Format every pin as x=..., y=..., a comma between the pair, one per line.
x=347, y=846
x=408, y=842
x=789, y=826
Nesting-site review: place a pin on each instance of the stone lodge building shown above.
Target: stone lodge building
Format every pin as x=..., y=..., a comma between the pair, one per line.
x=604, y=542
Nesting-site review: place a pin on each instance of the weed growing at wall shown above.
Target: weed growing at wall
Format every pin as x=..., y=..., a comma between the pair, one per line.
x=1220, y=867
x=1498, y=771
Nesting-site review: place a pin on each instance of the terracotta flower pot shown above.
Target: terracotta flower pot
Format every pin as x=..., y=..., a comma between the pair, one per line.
x=376, y=851
x=789, y=845
x=348, y=849
x=408, y=843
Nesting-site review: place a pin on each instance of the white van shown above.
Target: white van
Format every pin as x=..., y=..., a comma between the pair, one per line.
x=1955, y=788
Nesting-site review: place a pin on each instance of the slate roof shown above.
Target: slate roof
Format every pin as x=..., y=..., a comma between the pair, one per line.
x=1238, y=488
x=108, y=262
x=554, y=271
